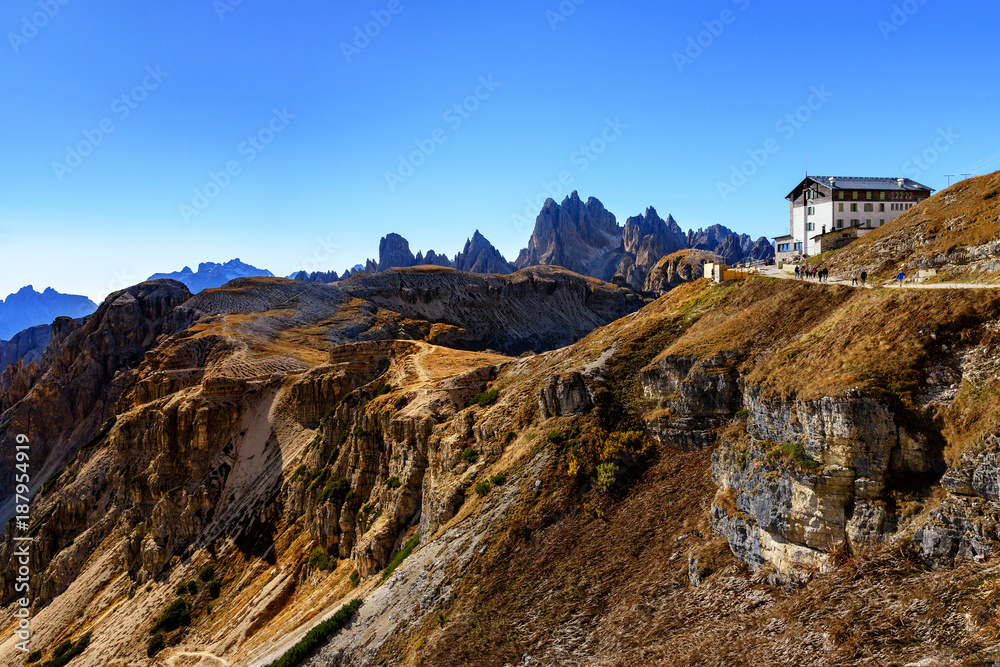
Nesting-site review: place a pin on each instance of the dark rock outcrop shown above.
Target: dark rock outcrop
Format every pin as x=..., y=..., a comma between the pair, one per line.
x=581, y=237
x=479, y=256
x=394, y=252
x=681, y=267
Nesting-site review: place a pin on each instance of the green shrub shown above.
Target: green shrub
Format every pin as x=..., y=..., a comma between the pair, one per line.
x=318, y=636
x=37, y=526
x=508, y=437
x=486, y=398
x=214, y=588
x=607, y=475
x=498, y=479
x=156, y=644
x=67, y=651
x=321, y=560
x=318, y=478
x=336, y=490
x=470, y=455
x=386, y=388
x=348, y=397
x=51, y=481
x=355, y=578
x=301, y=470
x=173, y=617
x=207, y=573
x=555, y=437
x=316, y=441
x=181, y=588
x=400, y=557
x=484, y=487
x=100, y=434
x=400, y=402
x=358, y=432
x=394, y=483
x=176, y=488
x=34, y=656
x=65, y=546
x=193, y=587
x=742, y=414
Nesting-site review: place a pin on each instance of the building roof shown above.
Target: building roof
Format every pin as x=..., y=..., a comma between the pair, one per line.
x=784, y=237
x=865, y=183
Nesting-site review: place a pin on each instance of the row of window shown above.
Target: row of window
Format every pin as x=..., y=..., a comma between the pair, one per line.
x=881, y=195
x=857, y=223
x=869, y=208
x=787, y=247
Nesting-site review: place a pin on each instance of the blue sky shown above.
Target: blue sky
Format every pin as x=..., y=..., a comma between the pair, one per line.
x=636, y=103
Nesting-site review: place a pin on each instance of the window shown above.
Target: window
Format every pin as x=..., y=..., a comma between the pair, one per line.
x=868, y=223
x=881, y=196
x=840, y=224
x=841, y=208
x=869, y=208
x=854, y=208
x=881, y=208
x=881, y=222
x=855, y=223
x=783, y=247
x=811, y=210
x=868, y=195
x=855, y=194
x=840, y=194
x=811, y=227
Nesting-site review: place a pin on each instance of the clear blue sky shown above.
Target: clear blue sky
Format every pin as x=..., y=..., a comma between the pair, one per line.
x=317, y=195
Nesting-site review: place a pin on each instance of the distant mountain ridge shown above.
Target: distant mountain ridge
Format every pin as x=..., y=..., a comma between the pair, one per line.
x=211, y=275
x=583, y=237
x=27, y=308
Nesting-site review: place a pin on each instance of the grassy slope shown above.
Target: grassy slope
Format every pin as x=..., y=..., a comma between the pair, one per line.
x=560, y=585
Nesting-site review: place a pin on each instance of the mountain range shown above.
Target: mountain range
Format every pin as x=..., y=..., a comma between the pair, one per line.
x=211, y=275
x=27, y=308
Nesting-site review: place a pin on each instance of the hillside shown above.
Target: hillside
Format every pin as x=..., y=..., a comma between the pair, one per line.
x=956, y=232
x=535, y=468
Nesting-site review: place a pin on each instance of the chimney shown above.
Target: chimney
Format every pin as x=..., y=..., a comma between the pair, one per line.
x=902, y=182
x=833, y=181
x=824, y=229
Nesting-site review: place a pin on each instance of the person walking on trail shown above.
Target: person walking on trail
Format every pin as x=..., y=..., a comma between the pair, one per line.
x=854, y=279
x=900, y=277
x=864, y=278
x=826, y=275
x=796, y=272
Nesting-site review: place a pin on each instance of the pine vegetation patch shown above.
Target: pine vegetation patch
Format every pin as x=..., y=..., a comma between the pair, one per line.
x=319, y=635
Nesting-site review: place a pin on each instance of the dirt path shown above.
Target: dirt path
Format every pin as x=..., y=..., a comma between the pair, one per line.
x=774, y=272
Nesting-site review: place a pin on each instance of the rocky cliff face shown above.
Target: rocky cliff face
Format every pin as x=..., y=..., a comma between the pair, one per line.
x=674, y=270
x=479, y=256
x=582, y=237
x=647, y=239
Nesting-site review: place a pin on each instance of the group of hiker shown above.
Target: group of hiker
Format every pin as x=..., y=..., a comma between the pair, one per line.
x=823, y=275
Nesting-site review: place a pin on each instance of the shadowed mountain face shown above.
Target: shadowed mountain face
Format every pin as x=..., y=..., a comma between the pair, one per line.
x=582, y=237
x=28, y=308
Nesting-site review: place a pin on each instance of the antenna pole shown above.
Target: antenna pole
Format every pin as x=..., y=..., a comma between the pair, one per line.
x=949, y=177
x=966, y=175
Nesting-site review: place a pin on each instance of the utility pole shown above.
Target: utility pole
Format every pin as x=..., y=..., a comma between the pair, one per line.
x=949, y=177
x=966, y=175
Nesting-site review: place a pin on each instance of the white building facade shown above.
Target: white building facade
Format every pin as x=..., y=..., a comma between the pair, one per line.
x=822, y=204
